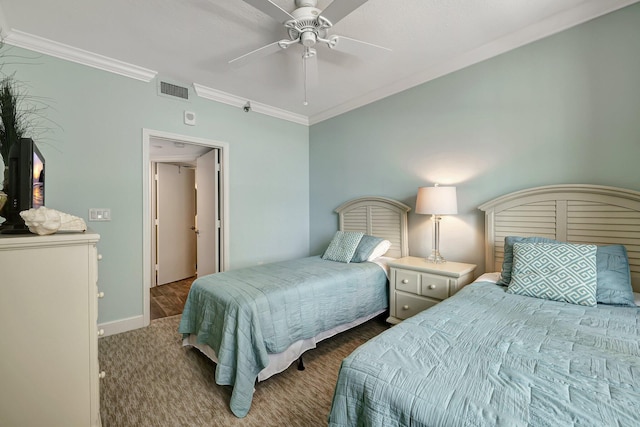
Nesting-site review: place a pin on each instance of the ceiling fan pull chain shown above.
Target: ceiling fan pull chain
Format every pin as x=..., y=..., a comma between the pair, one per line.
x=305, y=55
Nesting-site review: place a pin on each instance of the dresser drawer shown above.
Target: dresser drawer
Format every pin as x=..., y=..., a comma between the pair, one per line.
x=407, y=281
x=409, y=305
x=434, y=286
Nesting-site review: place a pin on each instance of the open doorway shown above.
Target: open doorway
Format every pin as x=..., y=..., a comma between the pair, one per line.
x=173, y=215
x=174, y=235
x=193, y=179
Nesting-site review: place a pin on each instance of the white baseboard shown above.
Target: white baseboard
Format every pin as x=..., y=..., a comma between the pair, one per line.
x=123, y=325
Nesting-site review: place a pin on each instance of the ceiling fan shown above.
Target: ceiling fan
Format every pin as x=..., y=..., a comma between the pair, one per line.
x=308, y=26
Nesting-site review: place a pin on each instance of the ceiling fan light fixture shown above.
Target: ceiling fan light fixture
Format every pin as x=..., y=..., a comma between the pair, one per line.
x=308, y=38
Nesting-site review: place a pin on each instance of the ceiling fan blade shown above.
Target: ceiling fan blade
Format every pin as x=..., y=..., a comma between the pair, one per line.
x=270, y=8
x=256, y=54
x=338, y=9
x=355, y=47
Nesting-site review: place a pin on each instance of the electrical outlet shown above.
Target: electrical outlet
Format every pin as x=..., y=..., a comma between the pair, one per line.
x=99, y=214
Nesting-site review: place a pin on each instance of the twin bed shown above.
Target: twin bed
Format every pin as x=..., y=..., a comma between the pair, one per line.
x=488, y=356
x=254, y=322
x=491, y=357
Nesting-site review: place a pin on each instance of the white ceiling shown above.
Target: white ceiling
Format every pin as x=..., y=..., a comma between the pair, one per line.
x=191, y=41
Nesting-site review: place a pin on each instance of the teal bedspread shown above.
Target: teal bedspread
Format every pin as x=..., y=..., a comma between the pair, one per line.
x=246, y=314
x=488, y=358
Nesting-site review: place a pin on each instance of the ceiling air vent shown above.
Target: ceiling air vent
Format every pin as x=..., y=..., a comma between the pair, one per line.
x=174, y=90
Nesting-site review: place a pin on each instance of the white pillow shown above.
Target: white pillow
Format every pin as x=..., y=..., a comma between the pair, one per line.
x=379, y=250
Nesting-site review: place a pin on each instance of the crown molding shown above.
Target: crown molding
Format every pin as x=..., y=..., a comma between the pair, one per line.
x=257, y=107
x=58, y=50
x=553, y=25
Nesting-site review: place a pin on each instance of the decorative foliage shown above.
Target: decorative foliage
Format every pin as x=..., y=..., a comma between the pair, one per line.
x=21, y=115
x=12, y=127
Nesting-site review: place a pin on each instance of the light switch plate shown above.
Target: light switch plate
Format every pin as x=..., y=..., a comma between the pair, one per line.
x=99, y=214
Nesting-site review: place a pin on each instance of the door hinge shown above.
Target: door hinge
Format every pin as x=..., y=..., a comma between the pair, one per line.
x=218, y=223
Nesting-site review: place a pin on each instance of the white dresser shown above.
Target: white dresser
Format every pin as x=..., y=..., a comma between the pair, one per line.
x=49, y=373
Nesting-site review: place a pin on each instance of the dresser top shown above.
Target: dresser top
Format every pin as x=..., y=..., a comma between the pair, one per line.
x=8, y=241
x=452, y=269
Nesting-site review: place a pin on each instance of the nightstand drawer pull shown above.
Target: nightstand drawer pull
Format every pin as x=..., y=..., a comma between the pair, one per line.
x=407, y=281
x=405, y=307
x=434, y=286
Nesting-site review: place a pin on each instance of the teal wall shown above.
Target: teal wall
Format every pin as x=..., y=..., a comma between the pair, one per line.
x=94, y=159
x=565, y=109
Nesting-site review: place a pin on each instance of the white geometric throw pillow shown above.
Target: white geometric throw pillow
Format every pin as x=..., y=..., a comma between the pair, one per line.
x=555, y=271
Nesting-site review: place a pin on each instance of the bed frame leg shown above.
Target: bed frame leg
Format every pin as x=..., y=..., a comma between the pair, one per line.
x=300, y=364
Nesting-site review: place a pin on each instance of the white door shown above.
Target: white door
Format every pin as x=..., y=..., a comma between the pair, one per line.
x=208, y=212
x=176, y=240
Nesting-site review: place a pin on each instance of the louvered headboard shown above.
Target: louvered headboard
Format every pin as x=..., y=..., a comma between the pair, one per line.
x=380, y=217
x=569, y=213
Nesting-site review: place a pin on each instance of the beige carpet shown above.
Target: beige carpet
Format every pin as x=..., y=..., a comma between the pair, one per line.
x=151, y=380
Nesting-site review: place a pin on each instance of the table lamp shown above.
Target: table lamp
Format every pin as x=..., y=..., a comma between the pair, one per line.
x=436, y=201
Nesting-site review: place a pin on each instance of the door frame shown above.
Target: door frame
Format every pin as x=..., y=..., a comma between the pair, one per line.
x=147, y=200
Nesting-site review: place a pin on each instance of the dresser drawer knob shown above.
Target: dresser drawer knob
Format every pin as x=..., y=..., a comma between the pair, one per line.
x=100, y=294
x=100, y=332
x=405, y=281
x=102, y=374
x=432, y=286
x=405, y=307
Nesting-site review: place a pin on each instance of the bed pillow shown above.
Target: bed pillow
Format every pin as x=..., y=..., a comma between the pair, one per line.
x=365, y=248
x=343, y=246
x=555, y=271
x=507, y=263
x=379, y=250
x=614, y=277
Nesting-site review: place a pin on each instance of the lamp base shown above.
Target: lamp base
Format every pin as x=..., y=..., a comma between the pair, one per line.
x=436, y=258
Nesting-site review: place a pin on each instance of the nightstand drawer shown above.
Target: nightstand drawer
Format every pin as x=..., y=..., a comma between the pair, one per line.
x=417, y=284
x=408, y=281
x=435, y=286
x=408, y=305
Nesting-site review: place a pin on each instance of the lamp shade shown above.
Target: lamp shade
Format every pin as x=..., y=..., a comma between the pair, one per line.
x=437, y=200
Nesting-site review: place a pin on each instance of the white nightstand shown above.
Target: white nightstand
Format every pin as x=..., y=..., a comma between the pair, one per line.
x=415, y=285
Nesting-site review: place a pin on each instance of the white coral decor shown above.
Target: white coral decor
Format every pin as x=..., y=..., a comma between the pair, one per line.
x=45, y=221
